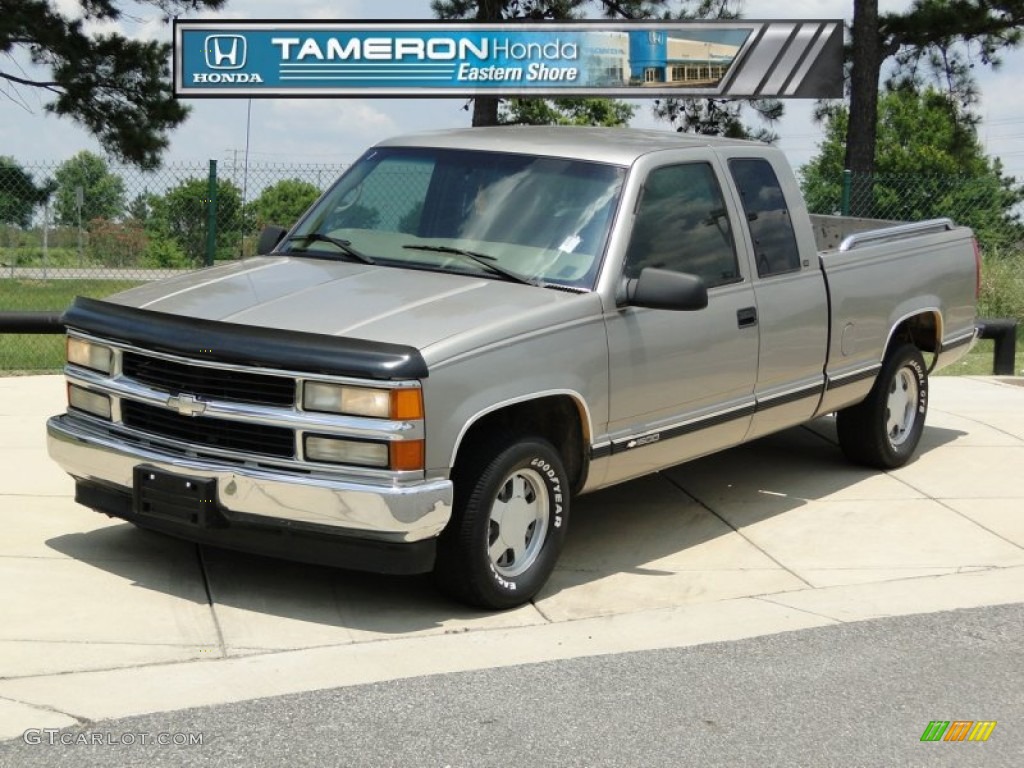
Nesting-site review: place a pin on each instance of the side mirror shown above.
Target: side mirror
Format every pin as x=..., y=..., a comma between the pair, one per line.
x=269, y=238
x=665, y=289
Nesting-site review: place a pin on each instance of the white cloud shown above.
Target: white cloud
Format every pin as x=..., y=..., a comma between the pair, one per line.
x=318, y=130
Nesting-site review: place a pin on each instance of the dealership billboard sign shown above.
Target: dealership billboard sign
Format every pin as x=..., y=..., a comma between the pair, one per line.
x=752, y=59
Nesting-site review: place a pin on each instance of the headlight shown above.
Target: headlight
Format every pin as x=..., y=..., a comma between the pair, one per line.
x=89, y=401
x=89, y=355
x=398, y=455
x=339, y=451
x=399, y=404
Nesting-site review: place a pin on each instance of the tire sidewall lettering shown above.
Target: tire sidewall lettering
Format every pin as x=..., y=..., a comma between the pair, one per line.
x=922, y=385
x=922, y=377
x=553, y=487
x=501, y=581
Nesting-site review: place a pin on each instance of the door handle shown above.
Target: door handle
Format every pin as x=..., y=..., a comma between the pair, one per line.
x=746, y=317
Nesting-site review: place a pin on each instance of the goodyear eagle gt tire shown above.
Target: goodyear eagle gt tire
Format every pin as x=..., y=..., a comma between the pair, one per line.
x=883, y=431
x=508, y=524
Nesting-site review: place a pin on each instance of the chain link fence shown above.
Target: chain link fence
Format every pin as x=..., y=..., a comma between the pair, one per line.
x=83, y=228
x=991, y=206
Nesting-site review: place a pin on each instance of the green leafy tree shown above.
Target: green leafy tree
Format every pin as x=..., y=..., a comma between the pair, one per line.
x=946, y=35
x=116, y=244
x=181, y=215
x=102, y=191
x=117, y=88
x=929, y=164
x=610, y=113
x=19, y=194
x=720, y=117
x=282, y=203
x=162, y=252
x=140, y=207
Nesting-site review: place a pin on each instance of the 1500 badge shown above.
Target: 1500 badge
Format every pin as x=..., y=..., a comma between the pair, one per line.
x=646, y=440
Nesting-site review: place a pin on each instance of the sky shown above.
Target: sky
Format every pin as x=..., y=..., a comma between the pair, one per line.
x=335, y=131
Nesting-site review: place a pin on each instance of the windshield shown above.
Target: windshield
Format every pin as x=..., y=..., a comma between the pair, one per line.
x=538, y=220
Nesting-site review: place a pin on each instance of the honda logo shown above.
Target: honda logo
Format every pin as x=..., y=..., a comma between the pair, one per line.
x=187, y=405
x=225, y=51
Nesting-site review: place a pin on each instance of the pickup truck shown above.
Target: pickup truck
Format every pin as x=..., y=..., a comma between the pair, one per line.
x=471, y=328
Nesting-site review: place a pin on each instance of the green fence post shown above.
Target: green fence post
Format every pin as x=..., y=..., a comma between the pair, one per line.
x=844, y=204
x=211, y=215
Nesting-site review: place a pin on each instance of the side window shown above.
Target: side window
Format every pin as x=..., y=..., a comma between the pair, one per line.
x=682, y=225
x=771, y=229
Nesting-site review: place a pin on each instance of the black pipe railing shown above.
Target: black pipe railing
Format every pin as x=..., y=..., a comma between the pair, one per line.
x=31, y=322
x=1002, y=330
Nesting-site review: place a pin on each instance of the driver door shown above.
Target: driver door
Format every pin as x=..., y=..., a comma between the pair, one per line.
x=682, y=382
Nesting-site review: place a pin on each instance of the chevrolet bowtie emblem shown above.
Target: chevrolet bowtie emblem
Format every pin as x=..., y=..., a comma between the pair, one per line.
x=186, y=405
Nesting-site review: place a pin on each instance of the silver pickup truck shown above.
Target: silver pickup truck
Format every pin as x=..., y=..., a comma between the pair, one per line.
x=471, y=328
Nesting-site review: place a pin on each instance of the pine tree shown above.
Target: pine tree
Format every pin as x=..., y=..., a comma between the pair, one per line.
x=941, y=33
x=117, y=88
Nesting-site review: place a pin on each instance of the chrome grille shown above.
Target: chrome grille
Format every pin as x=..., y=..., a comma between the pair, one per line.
x=257, y=439
x=209, y=383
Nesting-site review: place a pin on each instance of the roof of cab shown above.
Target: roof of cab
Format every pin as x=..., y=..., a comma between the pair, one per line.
x=620, y=146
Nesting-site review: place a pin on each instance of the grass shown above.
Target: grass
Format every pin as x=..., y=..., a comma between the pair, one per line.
x=56, y=258
x=32, y=353
x=1002, y=295
x=979, y=361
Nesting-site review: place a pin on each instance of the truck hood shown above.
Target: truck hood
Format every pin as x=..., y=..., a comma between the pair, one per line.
x=376, y=303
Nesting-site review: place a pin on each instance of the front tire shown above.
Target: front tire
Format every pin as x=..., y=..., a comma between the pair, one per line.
x=508, y=524
x=883, y=431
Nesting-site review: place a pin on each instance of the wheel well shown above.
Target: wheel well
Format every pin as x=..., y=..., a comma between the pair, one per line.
x=920, y=330
x=559, y=419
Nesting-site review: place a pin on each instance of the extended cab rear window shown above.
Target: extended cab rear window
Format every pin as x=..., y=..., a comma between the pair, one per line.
x=771, y=230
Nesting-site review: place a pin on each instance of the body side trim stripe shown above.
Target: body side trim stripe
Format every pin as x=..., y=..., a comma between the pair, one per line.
x=603, y=450
x=785, y=398
x=853, y=377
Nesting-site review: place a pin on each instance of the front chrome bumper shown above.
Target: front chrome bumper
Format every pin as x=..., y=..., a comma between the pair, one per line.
x=402, y=513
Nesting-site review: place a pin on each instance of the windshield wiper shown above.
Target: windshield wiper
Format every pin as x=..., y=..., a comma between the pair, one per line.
x=344, y=245
x=478, y=258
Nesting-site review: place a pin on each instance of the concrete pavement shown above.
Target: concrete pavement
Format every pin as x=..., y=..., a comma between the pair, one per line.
x=101, y=620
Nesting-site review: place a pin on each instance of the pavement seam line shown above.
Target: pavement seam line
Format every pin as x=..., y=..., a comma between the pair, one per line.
x=252, y=652
x=983, y=424
x=768, y=599
x=767, y=554
x=767, y=596
x=80, y=719
x=97, y=642
x=543, y=615
x=209, y=598
x=143, y=665
x=958, y=513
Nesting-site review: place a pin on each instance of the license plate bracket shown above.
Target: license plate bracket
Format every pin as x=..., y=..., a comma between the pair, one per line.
x=171, y=496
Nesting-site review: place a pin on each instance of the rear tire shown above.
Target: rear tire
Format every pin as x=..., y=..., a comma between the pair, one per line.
x=883, y=431
x=508, y=524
